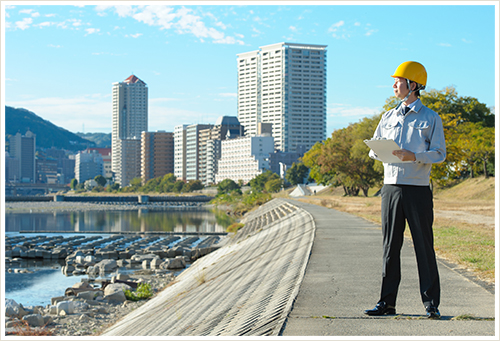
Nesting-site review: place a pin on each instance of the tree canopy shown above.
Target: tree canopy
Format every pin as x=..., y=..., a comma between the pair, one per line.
x=342, y=159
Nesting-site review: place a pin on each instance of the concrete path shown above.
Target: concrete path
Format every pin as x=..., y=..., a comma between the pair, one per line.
x=343, y=278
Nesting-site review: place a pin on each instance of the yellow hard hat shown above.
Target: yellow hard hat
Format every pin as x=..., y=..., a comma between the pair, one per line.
x=413, y=71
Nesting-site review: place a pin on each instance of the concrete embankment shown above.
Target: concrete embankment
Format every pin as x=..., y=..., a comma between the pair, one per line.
x=297, y=269
x=245, y=288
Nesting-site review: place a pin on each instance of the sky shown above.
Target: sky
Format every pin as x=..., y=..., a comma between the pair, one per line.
x=60, y=59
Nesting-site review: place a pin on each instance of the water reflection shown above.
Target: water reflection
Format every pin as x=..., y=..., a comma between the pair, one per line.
x=118, y=221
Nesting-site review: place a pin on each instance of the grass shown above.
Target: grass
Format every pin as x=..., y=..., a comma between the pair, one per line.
x=24, y=329
x=470, y=244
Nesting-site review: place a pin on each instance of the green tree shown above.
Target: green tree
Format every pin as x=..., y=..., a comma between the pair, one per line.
x=101, y=180
x=227, y=186
x=258, y=184
x=193, y=185
x=178, y=186
x=296, y=174
x=273, y=185
x=73, y=184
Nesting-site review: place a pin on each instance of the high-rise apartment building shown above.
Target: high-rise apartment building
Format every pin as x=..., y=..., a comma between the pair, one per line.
x=180, y=151
x=193, y=148
x=22, y=151
x=130, y=119
x=226, y=127
x=157, y=154
x=284, y=84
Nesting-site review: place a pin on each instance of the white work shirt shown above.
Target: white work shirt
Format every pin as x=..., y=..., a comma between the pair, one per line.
x=419, y=131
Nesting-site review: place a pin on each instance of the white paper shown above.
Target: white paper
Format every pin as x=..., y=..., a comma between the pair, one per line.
x=384, y=148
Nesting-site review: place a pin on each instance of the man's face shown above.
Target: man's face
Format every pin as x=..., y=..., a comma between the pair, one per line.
x=400, y=87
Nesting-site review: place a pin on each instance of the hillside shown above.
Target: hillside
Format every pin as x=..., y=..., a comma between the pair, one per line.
x=102, y=140
x=47, y=134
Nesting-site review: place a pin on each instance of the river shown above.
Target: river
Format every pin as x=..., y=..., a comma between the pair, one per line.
x=46, y=279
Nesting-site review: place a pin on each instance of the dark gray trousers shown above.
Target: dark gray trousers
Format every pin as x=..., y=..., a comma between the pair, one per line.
x=414, y=204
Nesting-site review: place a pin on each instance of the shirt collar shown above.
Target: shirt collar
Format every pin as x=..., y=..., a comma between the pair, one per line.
x=415, y=105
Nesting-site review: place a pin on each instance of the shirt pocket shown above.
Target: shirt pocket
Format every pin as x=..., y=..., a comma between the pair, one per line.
x=418, y=135
x=419, y=125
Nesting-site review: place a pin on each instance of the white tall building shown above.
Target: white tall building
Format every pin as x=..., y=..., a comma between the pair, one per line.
x=284, y=84
x=180, y=151
x=130, y=119
x=244, y=158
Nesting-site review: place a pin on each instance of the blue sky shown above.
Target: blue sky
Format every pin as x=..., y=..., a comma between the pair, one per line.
x=60, y=59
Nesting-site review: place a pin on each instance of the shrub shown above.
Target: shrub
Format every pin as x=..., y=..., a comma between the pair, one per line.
x=142, y=292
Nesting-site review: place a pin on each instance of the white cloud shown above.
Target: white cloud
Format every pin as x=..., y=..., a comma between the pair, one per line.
x=293, y=28
x=44, y=24
x=184, y=21
x=341, y=115
x=55, y=46
x=229, y=94
x=137, y=35
x=467, y=41
x=26, y=11
x=24, y=24
x=444, y=44
x=92, y=30
x=335, y=26
x=370, y=32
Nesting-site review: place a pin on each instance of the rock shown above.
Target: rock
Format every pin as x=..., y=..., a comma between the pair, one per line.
x=155, y=263
x=141, y=258
x=114, y=292
x=13, y=309
x=55, y=300
x=89, y=295
x=68, y=307
x=47, y=320
x=90, y=260
x=145, y=264
x=122, y=277
x=93, y=271
x=34, y=320
x=107, y=265
x=173, y=263
x=67, y=270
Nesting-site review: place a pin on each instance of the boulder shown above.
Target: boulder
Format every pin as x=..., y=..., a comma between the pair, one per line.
x=34, y=320
x=107, y=265
x=155, y=263
x=89, y=295
x=173, y=263
x=140, y=258
x=14, y=309
x=67, y=306
x=115, y=292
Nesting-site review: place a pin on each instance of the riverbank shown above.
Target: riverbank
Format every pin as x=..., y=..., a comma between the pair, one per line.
x=54, y=206
x=88, y=317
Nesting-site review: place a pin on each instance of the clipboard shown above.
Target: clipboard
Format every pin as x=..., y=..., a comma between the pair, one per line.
x=383, y=148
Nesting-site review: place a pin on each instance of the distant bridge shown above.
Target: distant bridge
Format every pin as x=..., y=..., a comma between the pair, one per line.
x=14, y=188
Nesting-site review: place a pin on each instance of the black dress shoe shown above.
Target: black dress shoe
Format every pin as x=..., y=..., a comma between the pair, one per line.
x=433, y=313
x=381, y=309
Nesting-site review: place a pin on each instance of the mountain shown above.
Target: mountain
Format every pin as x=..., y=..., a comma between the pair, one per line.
x=47, y=134
x=101, y=140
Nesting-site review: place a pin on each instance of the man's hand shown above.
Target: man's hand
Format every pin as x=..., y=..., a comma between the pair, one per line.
x=404, y=155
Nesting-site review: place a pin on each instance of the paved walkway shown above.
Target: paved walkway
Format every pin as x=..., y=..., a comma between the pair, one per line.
x=343, y=278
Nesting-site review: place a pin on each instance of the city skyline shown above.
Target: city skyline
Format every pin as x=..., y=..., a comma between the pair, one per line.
x=187, y=54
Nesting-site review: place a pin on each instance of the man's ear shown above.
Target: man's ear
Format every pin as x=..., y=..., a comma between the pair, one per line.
x=413, y=86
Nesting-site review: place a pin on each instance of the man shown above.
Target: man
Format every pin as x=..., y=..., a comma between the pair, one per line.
x=406, y=195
